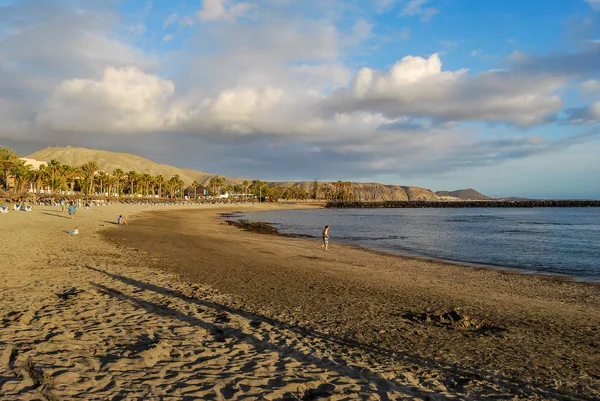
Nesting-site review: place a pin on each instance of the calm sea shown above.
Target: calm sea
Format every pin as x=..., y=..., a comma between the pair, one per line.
x=539, y=240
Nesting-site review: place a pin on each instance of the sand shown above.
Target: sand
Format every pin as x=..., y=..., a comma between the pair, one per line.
x=180, y=305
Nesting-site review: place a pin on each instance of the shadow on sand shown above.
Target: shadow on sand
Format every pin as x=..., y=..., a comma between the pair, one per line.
x=57, y=215
x=456, y=377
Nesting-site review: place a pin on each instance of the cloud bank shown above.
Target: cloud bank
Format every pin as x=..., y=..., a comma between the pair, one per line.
x=281, y=82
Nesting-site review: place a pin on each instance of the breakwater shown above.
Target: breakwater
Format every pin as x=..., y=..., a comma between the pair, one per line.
x=463, y=204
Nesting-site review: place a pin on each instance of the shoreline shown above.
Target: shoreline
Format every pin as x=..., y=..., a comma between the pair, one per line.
x=420, y=257
x=330, y=292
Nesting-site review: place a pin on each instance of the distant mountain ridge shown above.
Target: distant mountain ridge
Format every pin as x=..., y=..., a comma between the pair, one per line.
x=465, y=194
x=109, y=161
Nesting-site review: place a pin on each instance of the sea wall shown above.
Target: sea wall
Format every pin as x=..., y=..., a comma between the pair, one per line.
x=459, y=204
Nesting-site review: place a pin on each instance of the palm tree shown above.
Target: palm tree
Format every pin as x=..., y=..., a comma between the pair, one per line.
x=259, y=188
x=160, y=182
x=21, y=175
x=180, y=184
x=118, y=174
x=8, y=159
x=132, y=176
x=216, y=183
x=146, y=180
x=102, y=179
x=173, y=182
x=54, y=169
x=245, y=185
x=70, y=174
x=238, y=189
x=38, y=177
x=213, y=184
x=228, y=188
x=195, y=185
x=277, y=193
x=111, y=183
x=89, y=170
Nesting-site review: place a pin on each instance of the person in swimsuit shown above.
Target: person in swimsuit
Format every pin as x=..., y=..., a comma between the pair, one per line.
x=325, y=238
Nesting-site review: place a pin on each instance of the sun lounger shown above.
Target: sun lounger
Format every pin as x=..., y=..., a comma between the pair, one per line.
x=4, y=209
x=26, y=208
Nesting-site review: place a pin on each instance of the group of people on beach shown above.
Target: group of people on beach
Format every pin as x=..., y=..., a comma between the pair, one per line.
x=71, y=207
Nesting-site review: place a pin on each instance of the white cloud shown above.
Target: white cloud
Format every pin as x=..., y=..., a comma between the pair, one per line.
x=170, y=20
x=123, y=101
x=383, y=6
x=56, y=42
x=167, y=38
x=591, y=85
x=214, y=10
x=595, y=4
x=186, y=22
x=516, y=56
x=417, y=8
x=282, y=77
x=137, y=29
x=415, y=86
x=361, y=31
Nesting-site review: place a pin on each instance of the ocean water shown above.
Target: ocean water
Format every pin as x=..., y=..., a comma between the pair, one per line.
x=564, y=241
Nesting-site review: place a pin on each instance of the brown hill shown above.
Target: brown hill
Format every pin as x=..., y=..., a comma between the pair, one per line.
x=372, y=191
x=466, y=194
x=108, y=161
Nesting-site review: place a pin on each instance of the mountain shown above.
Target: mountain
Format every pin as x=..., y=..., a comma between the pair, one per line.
x=108, y=161
x=465, y=194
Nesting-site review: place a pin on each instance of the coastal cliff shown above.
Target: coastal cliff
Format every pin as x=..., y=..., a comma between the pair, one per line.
x=369, y=192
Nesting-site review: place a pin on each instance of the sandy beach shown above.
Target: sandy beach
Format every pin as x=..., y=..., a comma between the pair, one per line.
x=180, y=305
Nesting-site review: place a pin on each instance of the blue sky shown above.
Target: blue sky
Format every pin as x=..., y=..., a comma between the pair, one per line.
x=500, y=96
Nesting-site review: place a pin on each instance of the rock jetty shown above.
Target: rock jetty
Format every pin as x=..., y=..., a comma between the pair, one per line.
x=462, y=204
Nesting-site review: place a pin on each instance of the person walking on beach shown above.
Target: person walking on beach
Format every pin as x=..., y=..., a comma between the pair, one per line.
x=72, y=210
x=63, y=206
x=325, y=238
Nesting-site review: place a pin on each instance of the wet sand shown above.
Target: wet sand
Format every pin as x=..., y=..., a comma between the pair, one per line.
x=535, y=334
x=178, y=304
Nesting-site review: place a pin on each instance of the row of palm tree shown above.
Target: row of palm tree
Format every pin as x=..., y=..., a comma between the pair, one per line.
x=55, y=177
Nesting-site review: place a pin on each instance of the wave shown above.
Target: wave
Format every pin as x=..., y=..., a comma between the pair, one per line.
x=478, y=218
x=353, y=238
x=550, y=223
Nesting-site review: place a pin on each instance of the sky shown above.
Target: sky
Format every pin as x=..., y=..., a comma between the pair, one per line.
x=500, y=96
